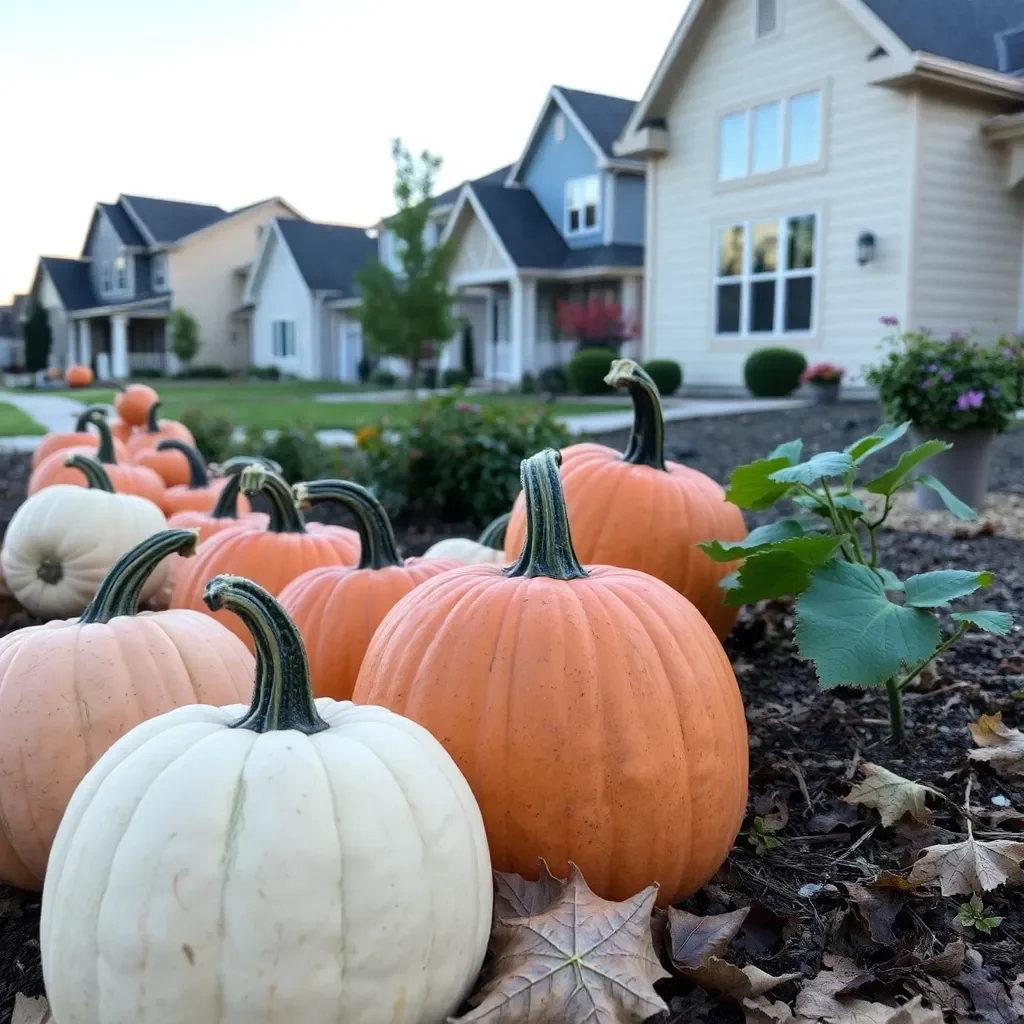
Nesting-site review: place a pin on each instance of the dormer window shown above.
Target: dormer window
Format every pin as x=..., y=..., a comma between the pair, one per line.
x=766, y=18
x=582, y=205
x=121, y=273
x=559, y=127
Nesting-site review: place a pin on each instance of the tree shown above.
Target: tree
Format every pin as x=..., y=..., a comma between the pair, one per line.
x=405, y=314
x=38, y=339
x=184, y=332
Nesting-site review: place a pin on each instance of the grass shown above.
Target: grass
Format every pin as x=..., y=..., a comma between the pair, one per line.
x=14, y=423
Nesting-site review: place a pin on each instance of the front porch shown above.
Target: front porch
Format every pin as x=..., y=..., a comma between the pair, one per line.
x=119, y=345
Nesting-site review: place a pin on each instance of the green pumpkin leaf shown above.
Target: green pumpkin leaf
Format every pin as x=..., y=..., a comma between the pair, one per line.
x=784, y=568
x=853, y=633
x=892, y=479
x=817, y=467
x=751, y=486
x=931, y=589
x=890, y=580
x=884, y=436
x=757, y=540
x=791, y=450
x=999, y=623
x=818, y=507
x=959, y=508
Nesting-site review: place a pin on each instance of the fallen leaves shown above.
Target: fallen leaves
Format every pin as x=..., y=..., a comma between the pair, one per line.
x=31, y=1011
x=973, y=866
x=1000, y=746
x=891, y=795
x=693, y=939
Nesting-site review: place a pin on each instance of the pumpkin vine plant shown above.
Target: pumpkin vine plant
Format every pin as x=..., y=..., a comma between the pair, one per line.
x=859, y=623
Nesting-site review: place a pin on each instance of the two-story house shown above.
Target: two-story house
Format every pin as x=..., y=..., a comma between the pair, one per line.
x=143, y=258
x=12, y=345
x=814, y=165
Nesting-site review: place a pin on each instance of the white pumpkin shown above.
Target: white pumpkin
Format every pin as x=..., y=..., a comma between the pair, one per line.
x=290, y=862
x=62, y=541
x=487, y=548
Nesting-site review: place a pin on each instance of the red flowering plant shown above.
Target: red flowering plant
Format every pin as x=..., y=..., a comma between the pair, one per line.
x=595, y=323
x=822, y=373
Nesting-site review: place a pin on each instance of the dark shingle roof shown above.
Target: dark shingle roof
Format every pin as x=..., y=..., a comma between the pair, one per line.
x=168, y=220
x=604, y=116
x=328, y=255
x=605, y=256
x=9, y=326
x=122, y=224
x=72, y=280
x=494, y=178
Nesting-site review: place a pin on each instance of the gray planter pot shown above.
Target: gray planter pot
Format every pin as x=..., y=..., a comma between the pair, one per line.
x=963, y=469
x=825, y=394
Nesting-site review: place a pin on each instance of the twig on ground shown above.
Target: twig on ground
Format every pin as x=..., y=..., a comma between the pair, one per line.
x=863, y=839
x=801, y=782
x=854, y=761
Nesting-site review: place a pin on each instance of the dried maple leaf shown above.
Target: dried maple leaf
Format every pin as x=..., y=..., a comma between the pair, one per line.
x=818, y=1001
x=718, y=975
x=583, y=959
x=891, y=795
x=693, y=940
x=515, y=896
x=970, y=867
x=31, y=1011
x=763, y=1010
x=1001, y=746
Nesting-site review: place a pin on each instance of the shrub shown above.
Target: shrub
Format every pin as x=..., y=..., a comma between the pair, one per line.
x=384, y=379
x=528, y=384
x=773, y=372
x=666, y=373
x=212, y=433
x=430, y=378
x=553, y=380
x=454, y=461
x=265, y=372
x=588, y=369
x=363, y=369
x=455, y=377
x=298, y=452
x=147, y=373
x=210, y=372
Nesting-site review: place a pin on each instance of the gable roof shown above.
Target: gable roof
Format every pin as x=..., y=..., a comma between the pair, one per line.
x=9, y=325
x=328, y=255
x=72, y=280
x=167, y=220
x=450, y=197
x=122, y=224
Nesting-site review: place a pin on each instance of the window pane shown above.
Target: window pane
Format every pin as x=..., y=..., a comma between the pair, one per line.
x=767, y=16
x=574, y=220
x=732, y=143
x=799, y=302
x=730, y=298
x=765, y=256
x=767, y=138
x=591, y=190
x=762, y=307
x=804, y=129
x=730, y=252
x=590, y=216
x=802, y=231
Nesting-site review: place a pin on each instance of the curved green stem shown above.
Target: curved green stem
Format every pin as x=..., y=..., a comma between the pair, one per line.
x=226, y=506
x=284, y=516
x=897, y=723
x=378, y=547
x=85, y=417
x=283, y=695
x=548, y=550
x=153, y=417
x=493, y=534
x=96, y=477
x=647, y=439
x=105, y=448
x=196, y=463
x=121, y=588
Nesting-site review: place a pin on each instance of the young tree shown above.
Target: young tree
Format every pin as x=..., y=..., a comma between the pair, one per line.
x=184, y=334
x=405, y=314
x=38, y=339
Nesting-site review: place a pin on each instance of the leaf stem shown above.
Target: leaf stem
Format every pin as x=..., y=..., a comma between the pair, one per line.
x=897, y=723
x=941, y=649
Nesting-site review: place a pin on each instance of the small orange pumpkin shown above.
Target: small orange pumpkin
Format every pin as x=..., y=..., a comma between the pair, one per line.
x=78, y=376
x=337, y=608
x=592, y=711
x=200, y=493
x=80, y=438
x=157, y=430
x=640, y=512
x=122, y=431
x=134, y=402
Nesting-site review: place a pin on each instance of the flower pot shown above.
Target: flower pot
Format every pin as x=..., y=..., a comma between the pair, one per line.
x=963, y=469
x=825, y=393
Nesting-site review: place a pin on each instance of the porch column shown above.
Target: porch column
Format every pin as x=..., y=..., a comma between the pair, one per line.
x=528, y=363
x=85, y=342
x=632, y=312
x=489, y=366
x=119, y=347
x=517, y=327
x=72, y=352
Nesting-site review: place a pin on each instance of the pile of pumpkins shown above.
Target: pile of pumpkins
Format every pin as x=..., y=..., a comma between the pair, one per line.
x=281, y=796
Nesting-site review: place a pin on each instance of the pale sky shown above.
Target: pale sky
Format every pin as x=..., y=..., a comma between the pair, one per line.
x=230, y=101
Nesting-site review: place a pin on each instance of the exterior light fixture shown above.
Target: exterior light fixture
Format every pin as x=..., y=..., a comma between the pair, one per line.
x=865, y=248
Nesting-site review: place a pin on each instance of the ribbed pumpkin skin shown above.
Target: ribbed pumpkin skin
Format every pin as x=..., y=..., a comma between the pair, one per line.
x=198, y=499
x=207, y=525
x=170, y=430
x=338, y=609
x=126, y=478
x=596, y=720
x=647, y=519
x=171, y=467
x=77, y=439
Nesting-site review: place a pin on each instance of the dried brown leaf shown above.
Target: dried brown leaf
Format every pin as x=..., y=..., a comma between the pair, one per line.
x=949, y=961
x=763, y=1010
x=1000, y=746
x=818, y=1001
x=515, y=896
x=718, y=975
x=992, y=999
x=877, y=908
x=693, y=940
x=973, y=866
x=31, y=1011
x=891, y=795
x=891, y=880
x=582, y=959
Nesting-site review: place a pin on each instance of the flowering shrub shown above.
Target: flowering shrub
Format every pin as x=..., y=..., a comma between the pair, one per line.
x=948, y=384
x=822, y=373
x=594, y=323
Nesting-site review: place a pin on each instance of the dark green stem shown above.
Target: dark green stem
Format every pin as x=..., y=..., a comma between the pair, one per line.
x=897, y=724
x=378, y=547
x=121, y=588
x=85, y=417
x=96, y=477
x=105, y=448
x=226, y=506
x=548, y=550
x=283, y=697
x=196, y=463
x=647, y=439
x=153, y=418
x=284, y=516
x=493, y=535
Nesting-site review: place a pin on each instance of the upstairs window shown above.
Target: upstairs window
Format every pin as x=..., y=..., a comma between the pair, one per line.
x=106, y=278
x=121, y=273
x=582, y=204
x=283, y=338
x=160, y=270
x=766, y=18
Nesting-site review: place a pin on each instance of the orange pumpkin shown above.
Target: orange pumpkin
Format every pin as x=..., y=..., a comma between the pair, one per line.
x=126, y=478
x=70, y=688
x=157, y=430
x=272, y=557
x=80, y=438
x=78, y=376
x=134, y=402
x=225, y=512
x=638, y=511
x=337, y=608
x=199, y=494
x=122, y=431
x=592, y=711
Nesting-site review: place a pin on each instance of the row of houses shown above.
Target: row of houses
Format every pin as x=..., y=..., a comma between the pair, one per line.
x=795, y=170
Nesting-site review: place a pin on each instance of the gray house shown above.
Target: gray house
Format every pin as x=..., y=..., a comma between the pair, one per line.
x=12, y=346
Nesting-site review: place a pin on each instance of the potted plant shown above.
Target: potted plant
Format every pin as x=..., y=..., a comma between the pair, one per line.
x=825, y=380
x=954, y=390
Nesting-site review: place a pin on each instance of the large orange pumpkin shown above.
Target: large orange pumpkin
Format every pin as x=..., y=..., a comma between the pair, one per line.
x=79, y=438
x=199, y=493
x=157, y=430
x=638, y=511
x=133, y=403
x=78, y=376
x=592, y=711
x=337, y=608
x=70, y=688
x=272, y=557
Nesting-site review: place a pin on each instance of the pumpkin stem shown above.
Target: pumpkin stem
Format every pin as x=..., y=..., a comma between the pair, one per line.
x=226, y=506
x=153, y=417
x=493, y=535
x=196, y=463
x=548, y=550
x=284, y=516
x=283, y=696
x=378, y=547
x=96, y=477
x=121, y=589
x=85, y=417
x=647, y=440
x=105, y=448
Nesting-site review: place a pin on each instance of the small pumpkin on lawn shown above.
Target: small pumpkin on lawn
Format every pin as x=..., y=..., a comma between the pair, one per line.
x=337, y=608
x=70, y=688
x=133, y=402
x=78, y=376
x=488, y=547
x=638, y=511
x=199, y=493
x=593, y=711
x=319, y=859
x=81, y=437
x=62, y=541
x=157, y=430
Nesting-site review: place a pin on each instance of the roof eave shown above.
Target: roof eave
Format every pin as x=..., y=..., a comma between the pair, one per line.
x=928, y=68
x=644, y=143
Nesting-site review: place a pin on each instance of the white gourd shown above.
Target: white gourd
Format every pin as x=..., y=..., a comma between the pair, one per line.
x=287, y=863
x=486, y=549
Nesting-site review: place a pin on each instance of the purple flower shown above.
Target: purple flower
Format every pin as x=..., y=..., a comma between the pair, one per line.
x=933, y=367
x=970, y=400
x=958, y=336
x=889, y=321
x=1009, y=353
x=928, y=382
x=947, y=376
x=466, y=407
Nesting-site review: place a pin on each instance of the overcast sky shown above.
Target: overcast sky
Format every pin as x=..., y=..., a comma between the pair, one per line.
x=230, y=101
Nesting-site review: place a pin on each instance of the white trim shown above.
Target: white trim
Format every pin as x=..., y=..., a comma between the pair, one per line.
x=136, y=220
x=467, y=195
x=476, y=277
x=567, y=207
x=249, y=295
x=913, y=208
x=650, y=253
x=611, y=179
x=350, y=303
x=231, y=216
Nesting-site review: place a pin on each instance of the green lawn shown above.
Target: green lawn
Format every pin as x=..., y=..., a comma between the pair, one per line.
x=14, y=423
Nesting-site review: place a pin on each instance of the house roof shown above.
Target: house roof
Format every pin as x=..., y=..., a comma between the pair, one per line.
x=451, y=196
x=9, y=325
x=167, y=220
x=72, y=281
x=122, y=224
x=328, y=255
x=604, y=116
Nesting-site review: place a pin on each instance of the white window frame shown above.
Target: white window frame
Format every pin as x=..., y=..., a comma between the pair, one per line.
x=760, y=36
x=106, y=277
x=282, y=339
x=159, y=272
x=120, y=273
x=571, y=195
x=780, y=276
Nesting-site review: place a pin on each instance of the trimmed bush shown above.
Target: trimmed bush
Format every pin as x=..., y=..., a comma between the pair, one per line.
x=527, y=384
x=384, y=379
x=666, y=373
x=264, y=372
x=773, y=372
x=553, y=380
x=455, y=377
x=202, y=373
x=212, y=433
x=147, y=373
x=588, y=369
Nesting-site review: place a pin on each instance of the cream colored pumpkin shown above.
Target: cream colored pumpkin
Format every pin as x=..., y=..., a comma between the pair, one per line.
x=284, y=862
x=462, y=549
x=62, y=541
